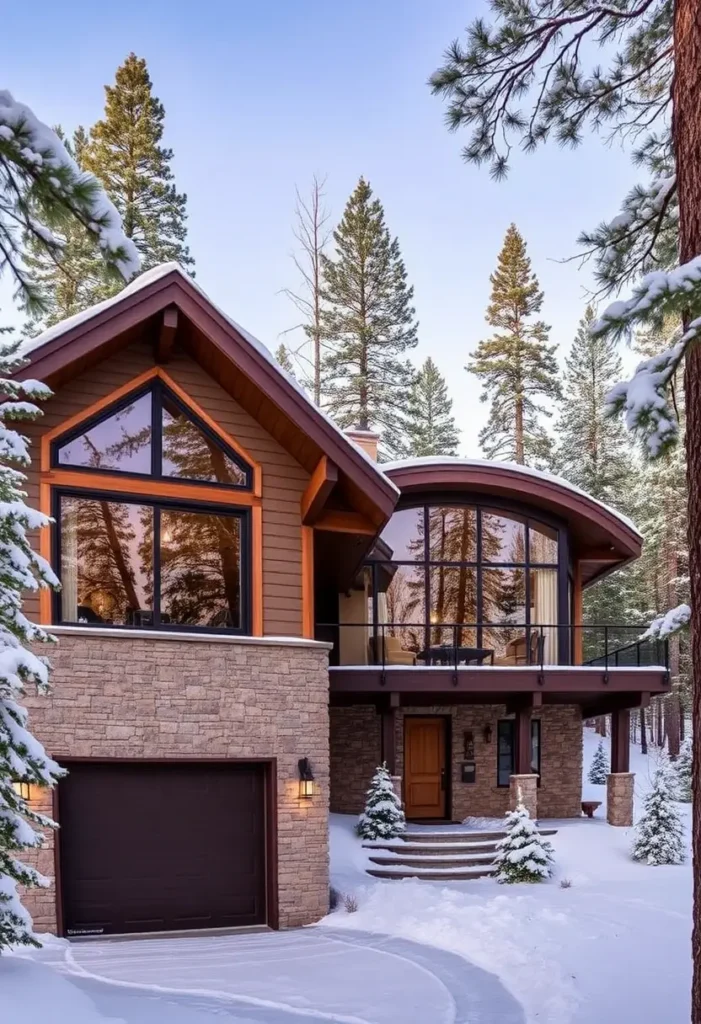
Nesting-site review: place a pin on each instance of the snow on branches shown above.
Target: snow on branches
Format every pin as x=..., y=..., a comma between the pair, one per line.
x=383, y=817
x=41, y=189
x=22, y=757
x=666, y=625
x=522, y=855
x=659, y=834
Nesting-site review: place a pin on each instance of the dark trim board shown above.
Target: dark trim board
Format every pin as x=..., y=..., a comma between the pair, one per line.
x=269, y=764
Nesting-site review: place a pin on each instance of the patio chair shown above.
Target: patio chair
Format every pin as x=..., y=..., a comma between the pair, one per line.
x=394, y=653
x=516, y=651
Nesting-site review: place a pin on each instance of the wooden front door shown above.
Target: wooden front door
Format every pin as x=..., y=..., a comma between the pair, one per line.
x=425, y=774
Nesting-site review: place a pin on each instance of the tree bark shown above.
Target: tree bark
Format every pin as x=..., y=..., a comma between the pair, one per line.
x=686, y=134
x=643, y=732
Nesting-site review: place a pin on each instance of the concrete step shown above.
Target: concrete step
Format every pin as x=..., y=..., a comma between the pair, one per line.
x=434, y=860
x=431, y=874
x=399, y=846
x=453, y=836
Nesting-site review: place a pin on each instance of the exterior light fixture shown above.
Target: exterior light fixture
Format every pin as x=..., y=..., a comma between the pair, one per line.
x=487, y=733
x=21, y=789
x=306, y=779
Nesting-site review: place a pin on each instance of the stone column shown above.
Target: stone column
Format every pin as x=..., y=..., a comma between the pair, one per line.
x=523, y=789
x=619, y=798
x=397, y=786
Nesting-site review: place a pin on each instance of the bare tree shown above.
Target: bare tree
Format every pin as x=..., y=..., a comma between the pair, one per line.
x=312, y=233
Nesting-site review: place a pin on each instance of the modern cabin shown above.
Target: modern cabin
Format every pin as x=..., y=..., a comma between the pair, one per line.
x=254, y=614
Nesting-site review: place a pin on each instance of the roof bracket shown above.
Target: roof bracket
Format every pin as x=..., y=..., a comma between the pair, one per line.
x=166, y=335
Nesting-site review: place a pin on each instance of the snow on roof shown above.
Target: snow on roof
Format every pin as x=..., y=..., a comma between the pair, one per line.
x=454, y=460
x=155, y=274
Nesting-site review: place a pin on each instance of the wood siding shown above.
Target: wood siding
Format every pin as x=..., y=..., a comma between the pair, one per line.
x=284, y=480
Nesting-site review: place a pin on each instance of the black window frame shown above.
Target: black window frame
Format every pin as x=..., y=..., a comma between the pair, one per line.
x=158, y=390
x=242, y=513
x=531, y=518
x=508, y=727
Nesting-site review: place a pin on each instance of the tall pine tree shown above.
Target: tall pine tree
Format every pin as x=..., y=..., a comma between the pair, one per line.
x=593, y=449
x=517, y=366
x=430, y=428
x=367, y=323
x=126, y=155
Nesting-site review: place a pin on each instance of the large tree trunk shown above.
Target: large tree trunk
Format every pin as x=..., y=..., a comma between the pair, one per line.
x=686, y=131
x=643, y=732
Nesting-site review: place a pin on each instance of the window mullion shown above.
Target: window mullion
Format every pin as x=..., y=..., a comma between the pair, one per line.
x=156, y=430
x=156, y=559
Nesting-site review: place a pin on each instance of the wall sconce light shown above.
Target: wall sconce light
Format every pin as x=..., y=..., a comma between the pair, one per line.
x=487, y=733
x=21, y=789
x=306, y=779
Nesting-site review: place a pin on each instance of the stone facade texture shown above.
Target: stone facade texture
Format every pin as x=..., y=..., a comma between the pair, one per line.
x=141, y=697
x=619, y=798
x=355, y=752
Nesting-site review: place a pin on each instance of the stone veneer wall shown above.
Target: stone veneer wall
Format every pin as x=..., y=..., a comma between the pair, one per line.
x=355, y=750
x=141, y=696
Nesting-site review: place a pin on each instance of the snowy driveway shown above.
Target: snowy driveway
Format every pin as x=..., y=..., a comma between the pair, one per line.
x=298, y=977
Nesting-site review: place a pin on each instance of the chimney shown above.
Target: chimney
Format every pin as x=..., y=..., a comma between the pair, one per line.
x=365, y=439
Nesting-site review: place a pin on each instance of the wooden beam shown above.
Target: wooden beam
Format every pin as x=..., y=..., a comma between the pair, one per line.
x=345, y=522
x=167, y=335
x=599, y=555
x=323, y=480
x=522, y=739
x=620, y=741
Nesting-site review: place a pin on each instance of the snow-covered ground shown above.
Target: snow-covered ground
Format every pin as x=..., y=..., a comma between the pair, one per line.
x=613, y=945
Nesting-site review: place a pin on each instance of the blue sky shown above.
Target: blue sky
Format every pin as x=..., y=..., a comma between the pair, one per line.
x=260, y=96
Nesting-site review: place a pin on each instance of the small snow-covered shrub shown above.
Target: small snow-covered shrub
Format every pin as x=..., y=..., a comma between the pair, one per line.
x=599, y=768
x=522, y=855
x=659, y=834
x=565, y=883
x=682, y=771
x=383, y=817
x=350, y=903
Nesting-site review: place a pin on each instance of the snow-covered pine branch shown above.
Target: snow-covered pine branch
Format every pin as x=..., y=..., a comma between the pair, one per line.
x=383, y=817
x=42, y=189
x=659, y=834
x=22, y=757
x=668, y=624
x=522, y=855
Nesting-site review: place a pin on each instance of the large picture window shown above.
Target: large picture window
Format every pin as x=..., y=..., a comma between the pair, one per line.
x=136, y=562
x=506, y=749
x=152, y=433
x=472, y=583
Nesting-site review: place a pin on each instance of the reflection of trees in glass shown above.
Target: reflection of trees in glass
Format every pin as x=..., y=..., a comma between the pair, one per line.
x=118, y=442
x=106, y=538
x=405, y=604
x=200, y=568
x=189, y=453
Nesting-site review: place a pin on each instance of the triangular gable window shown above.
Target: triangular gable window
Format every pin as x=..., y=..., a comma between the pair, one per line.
x=152, y=433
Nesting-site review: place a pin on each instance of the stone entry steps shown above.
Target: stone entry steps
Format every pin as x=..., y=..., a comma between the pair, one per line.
x=436, y=856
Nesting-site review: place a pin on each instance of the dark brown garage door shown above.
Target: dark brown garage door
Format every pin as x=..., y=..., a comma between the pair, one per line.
x=151, y=847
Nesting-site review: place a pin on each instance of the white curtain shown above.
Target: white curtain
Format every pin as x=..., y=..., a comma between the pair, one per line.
x=544, y=609
x=69, y=560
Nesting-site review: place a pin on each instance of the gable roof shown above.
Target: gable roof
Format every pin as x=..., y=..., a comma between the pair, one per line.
x=64, y=349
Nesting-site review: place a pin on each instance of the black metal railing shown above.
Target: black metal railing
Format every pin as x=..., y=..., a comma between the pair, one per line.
x=455, y=645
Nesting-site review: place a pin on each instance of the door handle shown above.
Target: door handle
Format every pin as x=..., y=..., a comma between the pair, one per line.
x=443, y=779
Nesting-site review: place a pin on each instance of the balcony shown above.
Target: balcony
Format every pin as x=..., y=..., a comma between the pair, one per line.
x=478, y=661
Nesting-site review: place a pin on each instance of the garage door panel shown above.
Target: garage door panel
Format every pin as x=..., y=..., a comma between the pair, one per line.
x=150, y=847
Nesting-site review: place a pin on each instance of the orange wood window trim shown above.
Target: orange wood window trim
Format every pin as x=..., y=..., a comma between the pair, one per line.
x=308, y=582
x=257, y=571
x=148, y=488
x=133, y=385
x=577, y=613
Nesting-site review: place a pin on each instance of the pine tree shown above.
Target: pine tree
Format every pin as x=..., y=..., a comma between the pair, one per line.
x=683, y=770
x=516, y=365
x=593, y=450
x=282, y=354
x=43, y=194
x=367, y=323
x=22, y=758
x=76, y=277
x=522, y=855
x=599, y=767
x=125, y=153
x=431, y=427
x=659, y=834
x=383, y=817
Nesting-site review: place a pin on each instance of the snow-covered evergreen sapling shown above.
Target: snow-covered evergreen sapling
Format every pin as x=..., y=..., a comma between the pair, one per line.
x=682, y=769
x=22, y=758
x=383, y=817
x=522, y=855
x=659, y=834
x=599, y=767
